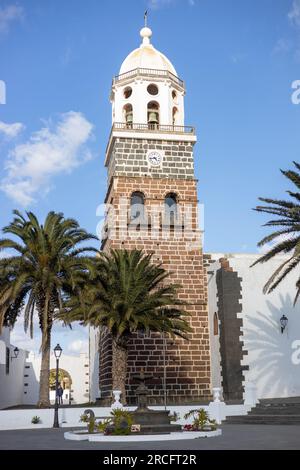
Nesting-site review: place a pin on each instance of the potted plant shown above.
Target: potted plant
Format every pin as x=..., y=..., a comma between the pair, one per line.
x=201, y=421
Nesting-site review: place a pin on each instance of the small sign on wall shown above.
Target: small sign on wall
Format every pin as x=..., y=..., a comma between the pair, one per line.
x=135, y=428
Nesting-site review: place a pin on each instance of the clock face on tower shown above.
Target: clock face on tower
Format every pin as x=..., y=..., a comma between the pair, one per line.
x=154, y=158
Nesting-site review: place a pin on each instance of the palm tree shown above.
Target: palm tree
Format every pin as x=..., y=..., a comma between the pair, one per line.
x=46, y=265
x=128, y=294
x=287, y=236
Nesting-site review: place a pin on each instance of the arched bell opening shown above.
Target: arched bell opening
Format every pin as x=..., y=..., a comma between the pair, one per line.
x=128, y=115
x=175, y=116
x=153, y=115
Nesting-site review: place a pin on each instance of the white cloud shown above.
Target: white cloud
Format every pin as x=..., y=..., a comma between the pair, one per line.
x=50, y=151
x=73, y=341
x=281, y=238
x=8, y=15
x=66, y=57
x=23, y=341
x=282, y=45
x=11, y=130
x=78, y=346
x=294, y=13
x=157, y=4
x=238, y=57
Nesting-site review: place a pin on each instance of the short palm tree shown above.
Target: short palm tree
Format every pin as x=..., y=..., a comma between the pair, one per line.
x=128, y=294
x=45, y=266
x=287, y=235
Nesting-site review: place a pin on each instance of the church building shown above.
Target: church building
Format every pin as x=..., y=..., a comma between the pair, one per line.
x=153, y=206
x=243, y=342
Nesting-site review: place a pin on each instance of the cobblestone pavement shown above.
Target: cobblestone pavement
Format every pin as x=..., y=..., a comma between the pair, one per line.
x=234, y=437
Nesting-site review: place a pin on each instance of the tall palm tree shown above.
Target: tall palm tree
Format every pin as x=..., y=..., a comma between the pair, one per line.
x=287, y=235
x=129, y=293
x=45, y=266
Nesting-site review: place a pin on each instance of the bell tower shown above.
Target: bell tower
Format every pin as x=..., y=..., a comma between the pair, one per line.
x=147, y=89
x=152, y=205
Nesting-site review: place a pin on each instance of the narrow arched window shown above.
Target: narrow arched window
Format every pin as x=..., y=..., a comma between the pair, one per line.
x=216, y=324
x=171, y=211
x=137, y=202
x=175, y=115
x=128, y=115
x=153, y=114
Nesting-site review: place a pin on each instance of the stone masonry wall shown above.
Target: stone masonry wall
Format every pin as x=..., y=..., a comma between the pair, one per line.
x=231, y=346
x=128, y=158
x=188, y=362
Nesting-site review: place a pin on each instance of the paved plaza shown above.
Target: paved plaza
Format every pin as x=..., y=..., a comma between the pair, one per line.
x=235, y=437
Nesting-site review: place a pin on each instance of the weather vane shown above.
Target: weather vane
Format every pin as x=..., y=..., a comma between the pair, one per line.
x=146, y=18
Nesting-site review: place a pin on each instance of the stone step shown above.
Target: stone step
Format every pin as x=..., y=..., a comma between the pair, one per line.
x=274, y=411
x=280, y=401
x=278, y=405
x=263, y=419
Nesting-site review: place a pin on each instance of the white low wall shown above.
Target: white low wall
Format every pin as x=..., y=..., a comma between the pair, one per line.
x=69, y=417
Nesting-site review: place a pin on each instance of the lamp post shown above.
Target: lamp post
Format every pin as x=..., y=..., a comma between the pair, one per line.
x=16, y=353
x=57, y=353
x=165, y=370
x=283, y=321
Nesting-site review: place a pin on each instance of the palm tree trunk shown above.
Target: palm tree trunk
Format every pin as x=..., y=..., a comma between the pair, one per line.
x=119, y=368
x=44, y=401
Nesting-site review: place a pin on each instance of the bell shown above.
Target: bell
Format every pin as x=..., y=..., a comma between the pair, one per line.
x=129, y=118
x=153, y=118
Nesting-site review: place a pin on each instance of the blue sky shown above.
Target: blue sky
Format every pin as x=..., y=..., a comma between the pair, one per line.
x=238, y=59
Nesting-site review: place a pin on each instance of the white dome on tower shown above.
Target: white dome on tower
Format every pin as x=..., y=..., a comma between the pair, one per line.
x=146, y=57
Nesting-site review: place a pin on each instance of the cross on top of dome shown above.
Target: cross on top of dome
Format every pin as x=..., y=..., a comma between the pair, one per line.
x=146, y=56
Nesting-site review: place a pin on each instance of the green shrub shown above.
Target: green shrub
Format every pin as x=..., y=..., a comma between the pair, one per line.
x=118, y=424
x=201, y=420
x=102, y=425
x=36, y=420
x=90, y=421
x=122, y=421
x=84, y=418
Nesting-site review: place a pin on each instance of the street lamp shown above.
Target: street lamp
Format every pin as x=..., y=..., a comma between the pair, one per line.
x=16, y=353
x=165, y=370
x=57, y=353
x=283, y=321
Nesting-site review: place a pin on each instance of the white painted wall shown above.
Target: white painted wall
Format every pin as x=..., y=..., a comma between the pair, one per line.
x=140, y=98
x=214, y=339
x=76, y=366
x=11, y=384
x=21, y=384
x=273, y=358
x=94, y=363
